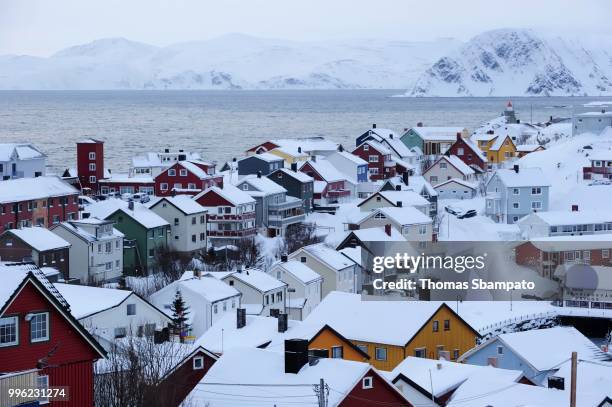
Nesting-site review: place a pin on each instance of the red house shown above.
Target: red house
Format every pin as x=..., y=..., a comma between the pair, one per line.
x=90, y=163
x=329, y=185
x=187, y=177
x=600, y=167
x=262, y=148
x=41, y=201
x=379, y=158
x=39, y=334
x=468, y=152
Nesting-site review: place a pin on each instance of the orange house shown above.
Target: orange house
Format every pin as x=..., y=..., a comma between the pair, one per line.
x=431, y=330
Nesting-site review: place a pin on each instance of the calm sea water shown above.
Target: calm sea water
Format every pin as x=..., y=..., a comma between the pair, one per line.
x=222, y=124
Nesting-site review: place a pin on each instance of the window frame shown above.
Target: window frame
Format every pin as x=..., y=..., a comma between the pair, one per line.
x=47, y=327
x=16, y=322
x=195, y=359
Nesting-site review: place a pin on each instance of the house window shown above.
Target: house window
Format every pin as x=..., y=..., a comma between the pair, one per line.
x=92, y=180
x=176, y=221
x=381, y=353
x=436, y=326
x=183, y=173
x=367, y=382
x=9, y=334
x=516, y=191
x=433, y=179
x=605, y=253
x=420, y=353
x=373, y=158
x=171, y=172
x=366, y=147
x=515, y=219
x=460, y=151
x=131, y=309
x=39, y=327
x=447, y=324
x=193, y=238
x=120, y=332
x=536, y=205
x=42, y=383
x=337, y=352
x=92, y=166
x=500, y=350
x=303, y=259
x=363, y=348
x=443, y=165
x=536, y=191
x=163, y=186
x=515, y=205
x=455, y=354
x=151, y=253
x=92, y=156
x=422, y=229
x=215, y=308
x=198, y=363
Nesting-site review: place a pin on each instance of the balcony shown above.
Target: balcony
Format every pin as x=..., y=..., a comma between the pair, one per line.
x=338, y=193
x=282, y=221
x=231, y=217
x=216, y=234
x=290, y=203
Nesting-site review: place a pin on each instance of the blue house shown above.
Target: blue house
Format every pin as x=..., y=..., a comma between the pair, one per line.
x=263, y=163
x=538, y=353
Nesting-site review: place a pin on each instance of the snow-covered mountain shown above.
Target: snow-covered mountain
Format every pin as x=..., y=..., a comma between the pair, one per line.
x=228, y=62
x=520, y=63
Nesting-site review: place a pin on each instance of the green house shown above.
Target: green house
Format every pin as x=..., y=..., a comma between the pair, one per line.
x=145, y=232
x=412, y=139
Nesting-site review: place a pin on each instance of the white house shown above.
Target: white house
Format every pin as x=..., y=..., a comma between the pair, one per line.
x=260, y=291
x=398, y=198
x=152, y=164
x=96, y=251
x=456, y=188
x=108, y=313
x=208, y=298
x=304, y=286
x=187, y=220
x=448, y=167
x=565, y=223
x=338, y=272
x=413, y=224
x=21, y=160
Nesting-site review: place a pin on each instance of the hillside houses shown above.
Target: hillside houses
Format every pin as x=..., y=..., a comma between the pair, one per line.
x=187, y=177
x=600, y=166
x=263, y=163
x=448, y=167
x=329, y=183
x=152, y=164
x=573, y=222
x=432, y=141
x=297, y=184
x=304, y=286
x=412, y=223
x=398, y=198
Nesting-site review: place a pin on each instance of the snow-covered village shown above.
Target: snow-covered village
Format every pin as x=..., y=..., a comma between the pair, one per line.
x=326, y=203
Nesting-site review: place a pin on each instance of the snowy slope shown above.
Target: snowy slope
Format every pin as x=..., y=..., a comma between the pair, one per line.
x=228, y=62
x=520, y=63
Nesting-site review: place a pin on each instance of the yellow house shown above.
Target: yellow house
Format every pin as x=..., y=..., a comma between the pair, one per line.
x=384, y=333
x=290, y=153
x=501, y=149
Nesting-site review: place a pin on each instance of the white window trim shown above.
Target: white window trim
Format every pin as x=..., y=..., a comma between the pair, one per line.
x=367, y=382
x=16, y=342
x=46, y=337
x=198, y=358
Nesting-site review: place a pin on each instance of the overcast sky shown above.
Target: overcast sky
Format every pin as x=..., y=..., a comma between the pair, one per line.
x=41, y=27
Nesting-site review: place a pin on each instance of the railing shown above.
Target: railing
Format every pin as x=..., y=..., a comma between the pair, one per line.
x=19, y=380
x=338, y=193
x=289, y=204
x=231, y=233
x=231, y=217
x=279, y=220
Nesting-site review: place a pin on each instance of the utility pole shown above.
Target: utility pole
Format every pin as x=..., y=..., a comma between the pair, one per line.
x=574, y=376
x=322, y=391
x=433, y=399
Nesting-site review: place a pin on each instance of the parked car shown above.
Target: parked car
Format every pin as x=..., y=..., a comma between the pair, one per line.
x=467, y=214
x=452, y=210
x=601, y=182
x=141, y=197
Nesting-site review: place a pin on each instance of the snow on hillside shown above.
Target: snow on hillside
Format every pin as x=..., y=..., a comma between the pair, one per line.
x=520, y=63
x=232, y=61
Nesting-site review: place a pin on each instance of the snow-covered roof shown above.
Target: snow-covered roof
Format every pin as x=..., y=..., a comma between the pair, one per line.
x=353, y=253
x=19, y=151
x=244, y=368
x=348, y=314
x=377, y=235
x=456, y=162
x=39, y=238
x=255, y=278
x=12, y=275
x=194, y=169
x=80, y=298
x=593, y=384
x=210, y=288
x=393, y=141
x=263, y=156
x=558, y=218
x=471, y=185
x=526, y=177
x=546, y=349
x=230, y=193
x=262, y=184
x=78, y=227
x=568, y=243
x=326, y=170
x=528, y=148
x=300, y=176
x=141, y=213
x=355, y=159
x=224, y=335
x=25, y=189
x=604, y=113
x=408, y=215
x=475, y=149
x=328, y=256
x=600, y=155
x=319, y=186
x=298, y=270
x=307, y=144
x=184, y=203
x=438, y=133
x=499, y=142
x=445, y=375
x=378, y=146
x=407, y=198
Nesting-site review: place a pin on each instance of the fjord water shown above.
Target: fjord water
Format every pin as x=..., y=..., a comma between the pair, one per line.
x=223, y=124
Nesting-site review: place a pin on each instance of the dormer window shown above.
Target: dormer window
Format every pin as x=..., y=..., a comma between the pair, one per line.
x=171, y=172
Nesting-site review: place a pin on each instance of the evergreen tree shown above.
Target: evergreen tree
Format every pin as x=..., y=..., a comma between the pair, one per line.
x=180, y=310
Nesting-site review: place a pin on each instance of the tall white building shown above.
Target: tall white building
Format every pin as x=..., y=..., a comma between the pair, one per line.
x=21, y=161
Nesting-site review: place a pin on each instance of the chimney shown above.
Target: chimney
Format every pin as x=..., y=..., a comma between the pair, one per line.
x=294, y=167
x=398, y=204
x=340, y=148
x=234, y=159
x=274, y=312
x=180, y=151
x=556, y=382
x=173, y=192
x=258, y=174
x=182, y=157
x=353, y=226
x=374, y=125
x=398, y=187
x=420, y=124
x=490, y=132
x=516, y=168
x=458, y=136
x=314, y=158
x=166, y=150
x=240, y=318
x=85, y=215
x=574, y=208
x=388, y=229
x=296, y=355
x=283, y=323
x=405, y=177
x=439, y=366
x=391, y=136
x=299, y=149
x=131, y=205
x=284, y=258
